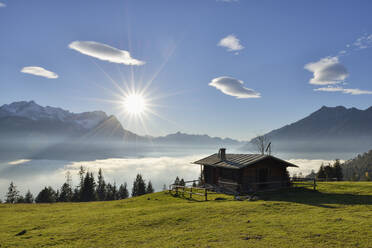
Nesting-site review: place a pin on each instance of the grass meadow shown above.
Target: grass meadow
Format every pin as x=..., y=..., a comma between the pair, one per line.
x=338, y=214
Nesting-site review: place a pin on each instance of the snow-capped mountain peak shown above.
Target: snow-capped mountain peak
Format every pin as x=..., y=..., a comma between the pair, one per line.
x=33, y=111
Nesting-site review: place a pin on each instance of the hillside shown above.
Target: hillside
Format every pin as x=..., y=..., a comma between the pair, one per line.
x=338, y=215
x=358, y=167
x=328, y=129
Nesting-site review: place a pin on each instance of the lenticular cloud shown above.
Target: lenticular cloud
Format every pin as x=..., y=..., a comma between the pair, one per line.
x=327, y=71
x=104, y=52
x=233, y=87
x=39, y=71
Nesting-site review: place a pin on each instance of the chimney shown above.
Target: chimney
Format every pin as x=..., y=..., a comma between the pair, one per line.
x=222, y=153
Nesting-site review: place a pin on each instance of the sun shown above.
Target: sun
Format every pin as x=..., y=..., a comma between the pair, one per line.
x=135, y=104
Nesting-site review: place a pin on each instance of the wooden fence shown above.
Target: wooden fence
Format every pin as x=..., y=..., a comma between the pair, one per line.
x=205, y=190
x=191, y=190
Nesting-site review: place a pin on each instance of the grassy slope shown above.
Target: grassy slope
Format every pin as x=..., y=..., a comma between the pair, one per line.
x=339, y=215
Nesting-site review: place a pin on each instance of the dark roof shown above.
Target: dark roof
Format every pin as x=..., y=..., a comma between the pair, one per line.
x=237, y=161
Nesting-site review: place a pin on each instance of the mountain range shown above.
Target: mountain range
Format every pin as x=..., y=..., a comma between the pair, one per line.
x=30, y=130
x=327, y=129
x=42, y=131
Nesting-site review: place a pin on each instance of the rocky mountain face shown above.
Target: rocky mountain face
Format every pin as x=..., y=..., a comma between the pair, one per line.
x=33, y=131
x=327, y=129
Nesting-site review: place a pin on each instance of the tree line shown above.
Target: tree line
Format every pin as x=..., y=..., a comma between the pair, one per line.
x=88, y=189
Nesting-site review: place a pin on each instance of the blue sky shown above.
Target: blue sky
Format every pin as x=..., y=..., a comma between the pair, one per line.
x=280, y=50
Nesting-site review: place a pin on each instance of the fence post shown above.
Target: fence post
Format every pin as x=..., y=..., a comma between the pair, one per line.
x=183, y=191
x=190, y=192
x=314, y=182
x=206, y=197
x=176, y=190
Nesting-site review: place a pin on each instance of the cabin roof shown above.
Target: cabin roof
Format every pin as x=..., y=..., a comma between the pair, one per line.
x=237, y=161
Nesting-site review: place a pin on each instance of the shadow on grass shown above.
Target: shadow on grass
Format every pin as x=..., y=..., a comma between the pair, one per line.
x=316, y=198
x=199, y=198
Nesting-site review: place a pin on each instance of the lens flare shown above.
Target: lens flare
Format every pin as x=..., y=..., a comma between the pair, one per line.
x=135, y=104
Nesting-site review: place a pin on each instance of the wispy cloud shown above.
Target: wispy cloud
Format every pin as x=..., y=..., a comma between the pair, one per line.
x=345, y=91
x=326, y=71
x=363, y=42
x=39, y=71
x=2, y=5
x=233, y=87
x=231, y=42
x=104, y=52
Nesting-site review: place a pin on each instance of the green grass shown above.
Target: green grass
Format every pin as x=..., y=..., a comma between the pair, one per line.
x=339, y=214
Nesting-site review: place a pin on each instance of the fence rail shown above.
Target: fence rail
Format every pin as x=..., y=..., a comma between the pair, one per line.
x=179, y=189
x=258, y=187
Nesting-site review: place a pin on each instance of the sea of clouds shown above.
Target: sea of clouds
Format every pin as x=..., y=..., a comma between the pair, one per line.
x=36, y=174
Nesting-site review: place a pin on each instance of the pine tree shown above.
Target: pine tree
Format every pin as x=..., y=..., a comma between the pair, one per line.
x=182, y=182
x=164, y=187
x=46, y=195
x=13, y=194
x=123, y=191
x=76, y=195
x=88, y=189
x=337, y=170
x=149, y=188
x=66, y=194
x=81, y=176
x=112, y=193
x=328, y=171
x=321, y=173
x=177, y=181
x=20, y=199
x=139, y=186
x=29, y=198
x=101, y=186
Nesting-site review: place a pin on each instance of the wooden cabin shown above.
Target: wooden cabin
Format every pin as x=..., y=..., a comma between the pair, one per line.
x=244, y=173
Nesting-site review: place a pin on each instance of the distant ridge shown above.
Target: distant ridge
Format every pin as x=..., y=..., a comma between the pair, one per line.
x=327, y=129
x=27, y=120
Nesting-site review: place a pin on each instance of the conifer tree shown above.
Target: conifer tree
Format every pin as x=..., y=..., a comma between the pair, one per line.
x=123, y=191
x=13, y=194
x=46, y=195
x=20, y=199
x=149, y=188
x=321, y=173
x=101, y=186
x=139, y=186
x=66, y=194
x=337, y=170
x=182, y=182
x=29, y=198
x=177, y=181
x=88, y=189
x=112, y=192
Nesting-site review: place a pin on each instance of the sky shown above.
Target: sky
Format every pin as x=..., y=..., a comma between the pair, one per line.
x=227, y=68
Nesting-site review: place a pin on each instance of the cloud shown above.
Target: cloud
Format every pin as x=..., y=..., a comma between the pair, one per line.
x=2, y=5
x=20, y=161
x=231, y=43
x=104, y=52
x=35, y=174
x=233, y=87
x=306, y=165
x=345, y=91
x=363, y=42
x=326, y=71
x=39, y=71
